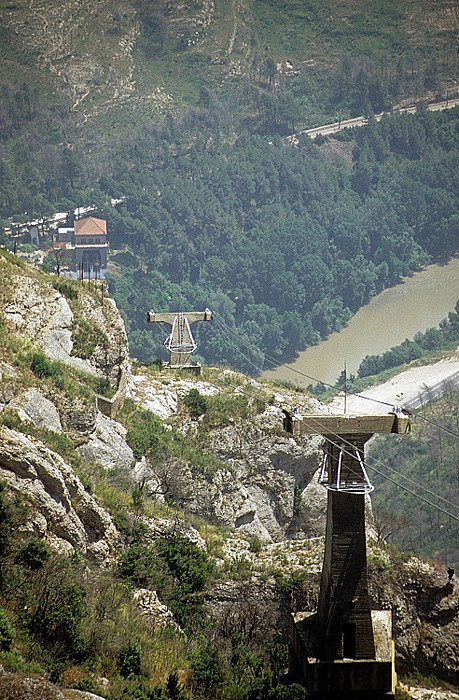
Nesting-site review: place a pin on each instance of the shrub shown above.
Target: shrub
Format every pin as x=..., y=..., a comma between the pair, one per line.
x=206, y=669
x=41, y=366
x=54, y=613
x=401, y=694
x=66, y=287
x=138, y=564
x=196, y=403
x=255, y=544
x=145, y=433
x=130, y=659
x=223, y=408
x=187, y=562
x=33, y=554
x=6, y=631
x=86, y=337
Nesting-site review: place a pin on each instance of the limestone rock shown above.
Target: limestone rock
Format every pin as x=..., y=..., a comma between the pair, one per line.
x=72, y=515
x=107, y=445
x=312, y=509
x=77, y=415
x=34, y=407
x=259, y=475
x=426, y=617
x=156, y=528
x=429, y=694
x=151, y=607
x=162, y=399
x=81, y=695
x=40, y=313
x=16, y=687
x=8, y=384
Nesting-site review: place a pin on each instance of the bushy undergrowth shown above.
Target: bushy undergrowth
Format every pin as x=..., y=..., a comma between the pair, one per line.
x=176, y=568
x=88, y=627
x=86, y=337
x=66, y=287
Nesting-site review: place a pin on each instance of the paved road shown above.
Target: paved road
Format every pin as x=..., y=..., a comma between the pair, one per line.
x=411, y=389
x=328, y=129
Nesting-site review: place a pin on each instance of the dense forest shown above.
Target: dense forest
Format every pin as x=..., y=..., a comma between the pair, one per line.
x=281, y=245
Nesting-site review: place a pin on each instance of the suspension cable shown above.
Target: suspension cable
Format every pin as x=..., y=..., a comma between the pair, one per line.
x=273, y=362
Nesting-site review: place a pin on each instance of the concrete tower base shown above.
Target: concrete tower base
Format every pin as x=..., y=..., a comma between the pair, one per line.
x=343, y=679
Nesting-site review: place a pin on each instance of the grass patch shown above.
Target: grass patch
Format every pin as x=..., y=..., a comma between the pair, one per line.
x=87, y=336
x=68, y=288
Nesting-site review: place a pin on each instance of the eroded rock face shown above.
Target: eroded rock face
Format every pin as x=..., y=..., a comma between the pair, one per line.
x=67, y=515
x=107, y=445
x=425, y=609
x=33, y=407
x=39, y=312
x=261, y=484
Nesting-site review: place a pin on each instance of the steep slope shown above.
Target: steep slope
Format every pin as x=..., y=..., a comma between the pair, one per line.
x=129, y=518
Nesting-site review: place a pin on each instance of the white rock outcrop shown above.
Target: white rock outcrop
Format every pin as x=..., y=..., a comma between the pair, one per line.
x=151, y=607
x=69, y=517
x=107, y=445
x=35, y=408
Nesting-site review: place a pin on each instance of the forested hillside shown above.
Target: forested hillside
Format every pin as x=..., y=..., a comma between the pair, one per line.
x=182, y=110
x=280, y=243
x=427, y=457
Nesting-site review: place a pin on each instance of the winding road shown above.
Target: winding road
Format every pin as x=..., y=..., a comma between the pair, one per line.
x=410, y=389
x=328, y=129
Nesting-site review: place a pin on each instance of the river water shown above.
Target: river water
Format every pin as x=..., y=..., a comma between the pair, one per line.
x=418, y=303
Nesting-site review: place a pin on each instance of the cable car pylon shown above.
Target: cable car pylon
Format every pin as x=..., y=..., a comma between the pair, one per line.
x=180, y=342
x=344, y=650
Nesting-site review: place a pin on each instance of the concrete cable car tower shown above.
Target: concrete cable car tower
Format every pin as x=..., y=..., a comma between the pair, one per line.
x=180, y=342
x=344, y=651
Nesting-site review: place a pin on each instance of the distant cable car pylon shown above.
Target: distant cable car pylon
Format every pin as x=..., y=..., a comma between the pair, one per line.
x=180, y=342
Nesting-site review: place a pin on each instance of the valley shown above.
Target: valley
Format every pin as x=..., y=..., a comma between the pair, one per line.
x=158, y=528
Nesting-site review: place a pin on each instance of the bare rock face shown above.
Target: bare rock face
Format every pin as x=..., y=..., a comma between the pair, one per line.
x=426, y=617
x=310, y=521
x=258, y=483
x=162, y=399
x=33, y=407
x=68, y=516
x=107, y=445
x=39, y=312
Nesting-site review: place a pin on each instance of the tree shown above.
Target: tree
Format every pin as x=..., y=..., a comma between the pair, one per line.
x=386, y=524
x=60, y=256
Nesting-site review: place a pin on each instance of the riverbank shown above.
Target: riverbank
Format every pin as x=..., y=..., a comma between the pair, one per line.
x=417, y=303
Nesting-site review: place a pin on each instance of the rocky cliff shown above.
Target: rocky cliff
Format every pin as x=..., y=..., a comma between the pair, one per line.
x=230, y=469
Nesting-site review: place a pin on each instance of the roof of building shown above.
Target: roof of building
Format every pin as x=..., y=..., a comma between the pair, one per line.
x=90, y=226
